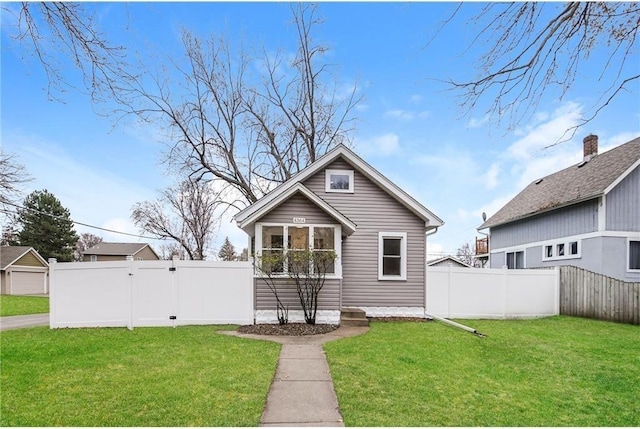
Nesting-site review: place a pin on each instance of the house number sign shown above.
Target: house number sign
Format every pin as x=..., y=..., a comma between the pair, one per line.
x=299, y=220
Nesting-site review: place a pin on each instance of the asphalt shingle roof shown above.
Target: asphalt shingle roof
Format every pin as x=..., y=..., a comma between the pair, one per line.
x=8, y=254
x=580, y=182
x=125, y=249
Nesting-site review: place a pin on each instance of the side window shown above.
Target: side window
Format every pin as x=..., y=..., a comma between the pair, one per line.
x=392, y=256
x=634, y=255
x=515, y=260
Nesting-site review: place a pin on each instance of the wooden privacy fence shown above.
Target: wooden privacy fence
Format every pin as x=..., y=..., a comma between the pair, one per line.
x=587, y=294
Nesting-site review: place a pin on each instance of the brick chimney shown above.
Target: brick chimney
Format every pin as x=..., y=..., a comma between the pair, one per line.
x=590, y=146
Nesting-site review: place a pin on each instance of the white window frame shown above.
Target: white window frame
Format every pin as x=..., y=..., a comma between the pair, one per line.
x=567, y=248
x=327, y=179
x=629, y=269
x=337, y=242
x=524, y=259
x=403, y=255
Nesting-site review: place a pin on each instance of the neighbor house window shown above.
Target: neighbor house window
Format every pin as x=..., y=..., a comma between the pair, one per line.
x=561, y=250
x=339, y=181
x=392, y=256
x=634, y=255
x=515, y=260
x=94, y=258
x=278, y=241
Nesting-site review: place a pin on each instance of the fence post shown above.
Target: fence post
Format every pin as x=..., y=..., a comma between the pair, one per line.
x=556, y=306
x=505, y=278
x=131, y=295
x=52, y=295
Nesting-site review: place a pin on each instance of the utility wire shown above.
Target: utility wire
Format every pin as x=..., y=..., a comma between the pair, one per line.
x=75, y=222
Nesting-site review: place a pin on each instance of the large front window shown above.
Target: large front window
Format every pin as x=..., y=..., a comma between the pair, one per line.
x=285, y=245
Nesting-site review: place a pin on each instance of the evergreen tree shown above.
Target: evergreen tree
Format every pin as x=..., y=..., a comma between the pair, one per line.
x=227, y=251
x=47, y=226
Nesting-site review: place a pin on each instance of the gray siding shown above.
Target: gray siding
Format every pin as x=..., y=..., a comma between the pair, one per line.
x=577, y=219
x=623, y=204
x=297, y=206
x=373, y=211
x=328, y=299
x=603, y=255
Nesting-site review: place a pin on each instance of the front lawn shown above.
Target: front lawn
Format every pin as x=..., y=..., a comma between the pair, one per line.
x=12, y=305
x=557, y=371
x=187, y=376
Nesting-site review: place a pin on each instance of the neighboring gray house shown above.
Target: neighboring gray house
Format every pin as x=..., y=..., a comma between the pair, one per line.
x=23, y=271
x=377, y=230
x=587, y=215
x=119, y=252
x=448, y=261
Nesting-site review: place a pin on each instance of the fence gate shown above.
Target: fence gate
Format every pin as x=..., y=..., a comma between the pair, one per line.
x=155, y=298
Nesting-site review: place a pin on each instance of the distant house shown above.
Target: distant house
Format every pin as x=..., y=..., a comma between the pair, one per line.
x=119, y=252
x=22, y=271
x=587, y=215
x=448, y=261
x=340, y=203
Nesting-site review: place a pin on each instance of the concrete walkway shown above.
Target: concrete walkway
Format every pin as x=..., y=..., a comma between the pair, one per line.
x=302, y=391
x=27, y=321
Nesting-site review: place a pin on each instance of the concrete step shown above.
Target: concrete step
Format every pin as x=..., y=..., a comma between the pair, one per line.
x=350, y=321
x=354, y=313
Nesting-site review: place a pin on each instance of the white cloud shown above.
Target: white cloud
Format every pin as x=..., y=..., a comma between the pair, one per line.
x=491, y=176
x=416, y=98
x=406, y=115
x=477, y=123
x=382, y=145
x=434, y=250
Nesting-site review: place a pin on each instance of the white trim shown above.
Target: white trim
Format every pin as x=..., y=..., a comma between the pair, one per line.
x=350, y=227
x=595, y=234
x=567, y=246
x=629, y=240
x=622, y=177
x=431, y=220
x=337, y=243
x=515, y=260
x=403, y=255
x=394, y=311
x=602, y=213
x=327, y=181
x=331, y=317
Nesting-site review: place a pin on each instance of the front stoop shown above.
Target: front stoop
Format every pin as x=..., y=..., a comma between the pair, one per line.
x=353, y=317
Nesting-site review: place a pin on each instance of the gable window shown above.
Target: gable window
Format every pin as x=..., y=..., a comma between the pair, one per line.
x=280, y=241
x=392, y=256
x=515, y=260
x=339, y=181
x=634, y=255
x=561, y=250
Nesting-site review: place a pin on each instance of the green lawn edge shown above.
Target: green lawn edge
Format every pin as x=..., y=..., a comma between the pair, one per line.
x=12, y=305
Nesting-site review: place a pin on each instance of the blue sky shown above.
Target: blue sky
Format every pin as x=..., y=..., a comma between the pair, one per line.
x=409, y=125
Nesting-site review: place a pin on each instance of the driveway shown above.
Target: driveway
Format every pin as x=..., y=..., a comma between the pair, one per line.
x=27, y=321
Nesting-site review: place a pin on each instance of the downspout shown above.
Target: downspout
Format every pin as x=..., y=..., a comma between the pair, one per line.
x=427, y=234
x=455, y=324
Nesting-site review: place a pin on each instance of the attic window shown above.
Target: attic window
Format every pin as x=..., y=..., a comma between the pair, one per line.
x=339, y=181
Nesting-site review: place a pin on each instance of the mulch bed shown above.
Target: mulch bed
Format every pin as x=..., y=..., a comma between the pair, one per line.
x=292, y=329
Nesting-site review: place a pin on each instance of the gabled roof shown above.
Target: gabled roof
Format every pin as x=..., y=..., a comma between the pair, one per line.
x=10, y=254
x=273, y=198
x=348, y=226
x=117, y=249
x=578, y=183
x=447, y=258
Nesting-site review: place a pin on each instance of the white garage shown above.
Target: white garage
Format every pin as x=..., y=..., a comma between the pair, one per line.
x=22, y=271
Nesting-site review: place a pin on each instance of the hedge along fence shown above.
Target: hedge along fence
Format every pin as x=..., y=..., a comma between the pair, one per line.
x=587, y=294
x=150, y=293
x=481, y=293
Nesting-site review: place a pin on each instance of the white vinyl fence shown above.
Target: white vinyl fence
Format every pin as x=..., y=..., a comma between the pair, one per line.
x=480, y=293
x=150, y=293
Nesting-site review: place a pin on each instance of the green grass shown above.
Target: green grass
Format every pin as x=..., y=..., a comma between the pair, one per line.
x=557, y=371
x=11, y=305
x=187, y=376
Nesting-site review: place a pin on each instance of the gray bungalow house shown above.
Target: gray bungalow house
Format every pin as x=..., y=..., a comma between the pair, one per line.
x=377, y=230
x=104, y=251
x=587, y=215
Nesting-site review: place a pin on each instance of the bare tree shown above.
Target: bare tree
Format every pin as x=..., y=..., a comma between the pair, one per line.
x=49, y=28
x=184, y=213
x=533, y=48
x=466, y=254
x=247, y=131
x=85, y=241
x=13, y=176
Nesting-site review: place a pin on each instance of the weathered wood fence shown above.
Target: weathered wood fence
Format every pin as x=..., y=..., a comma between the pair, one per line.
x=587, y=294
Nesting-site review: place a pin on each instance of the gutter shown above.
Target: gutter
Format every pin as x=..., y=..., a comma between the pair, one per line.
x=426, y=234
